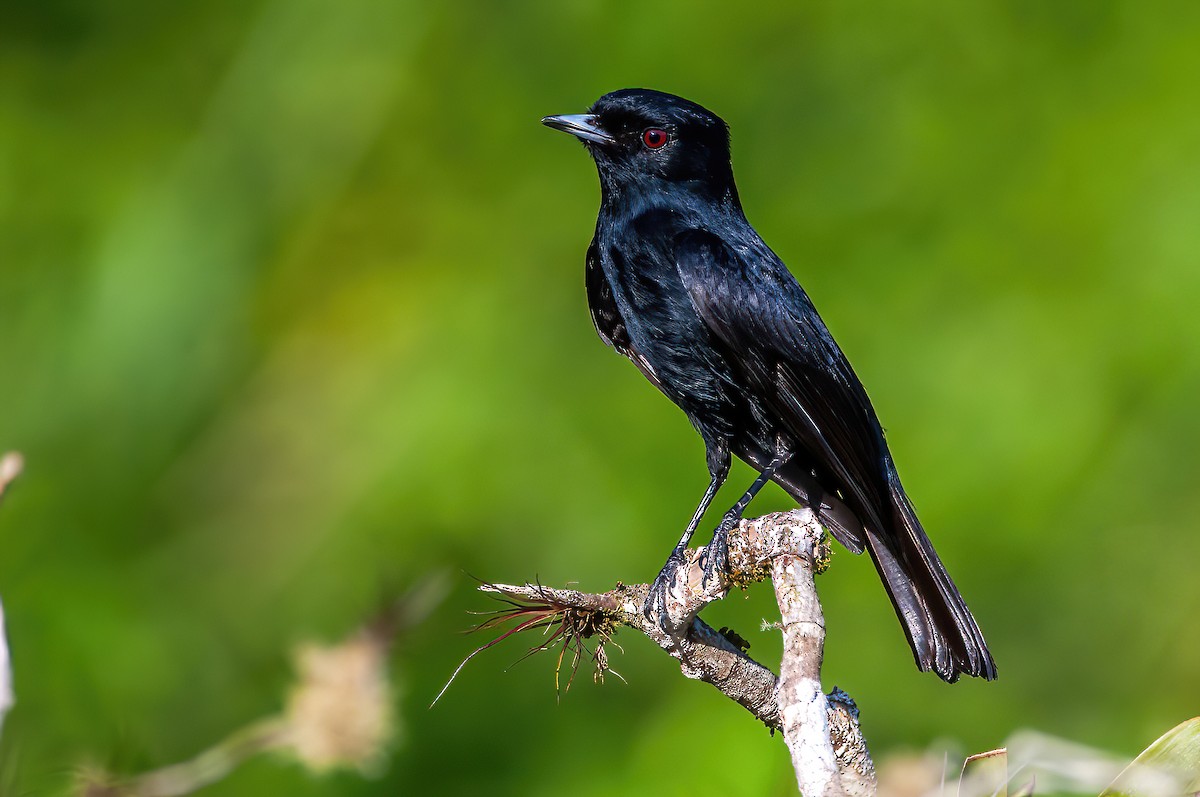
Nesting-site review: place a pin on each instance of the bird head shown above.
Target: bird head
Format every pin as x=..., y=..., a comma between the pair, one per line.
x=641, y=138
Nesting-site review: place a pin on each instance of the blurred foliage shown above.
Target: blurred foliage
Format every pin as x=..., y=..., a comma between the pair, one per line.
x=1172, y=764
x=291, y=313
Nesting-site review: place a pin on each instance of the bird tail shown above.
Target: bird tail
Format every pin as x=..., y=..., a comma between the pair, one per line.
x=944, y=636
x=835, y=516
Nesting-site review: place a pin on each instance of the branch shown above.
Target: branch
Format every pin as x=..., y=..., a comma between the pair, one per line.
x=828, y=751
x=704, y=655
x=11, y=465
x=339, y=712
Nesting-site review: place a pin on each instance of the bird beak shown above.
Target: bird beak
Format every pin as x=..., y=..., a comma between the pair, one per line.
x=584, y=126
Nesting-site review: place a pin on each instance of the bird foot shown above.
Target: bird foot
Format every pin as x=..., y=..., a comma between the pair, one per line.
x=715, y=559
x=661, y=596
x=668, y=600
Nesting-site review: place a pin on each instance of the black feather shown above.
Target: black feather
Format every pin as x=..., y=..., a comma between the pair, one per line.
x=681, y=284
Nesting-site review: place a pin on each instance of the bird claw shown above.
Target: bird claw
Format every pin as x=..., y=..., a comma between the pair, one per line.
x=715, y=558
x=656, y=606
x=714, y=562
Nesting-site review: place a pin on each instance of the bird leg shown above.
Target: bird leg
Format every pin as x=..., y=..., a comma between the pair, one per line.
x=716, y=556
x=715, y=561
x=655, y=608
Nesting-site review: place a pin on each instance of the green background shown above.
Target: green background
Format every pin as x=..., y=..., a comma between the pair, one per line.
x=291, y=314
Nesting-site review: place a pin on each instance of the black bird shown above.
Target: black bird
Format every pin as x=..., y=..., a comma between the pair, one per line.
x=681, y=284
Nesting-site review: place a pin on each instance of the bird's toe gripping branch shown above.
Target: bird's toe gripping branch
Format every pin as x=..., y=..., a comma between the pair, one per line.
x=690, y=580
x=715, y=558
x=663, y=605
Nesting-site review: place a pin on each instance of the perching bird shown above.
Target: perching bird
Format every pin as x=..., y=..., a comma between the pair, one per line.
x=680, y=283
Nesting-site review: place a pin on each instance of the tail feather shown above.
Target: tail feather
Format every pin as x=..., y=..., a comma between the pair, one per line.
x=944, y=635
x=841, y=522
x=940, y=628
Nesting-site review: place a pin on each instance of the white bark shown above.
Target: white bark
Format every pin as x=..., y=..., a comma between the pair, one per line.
x=11, y=465
x=6, y=691
x=829, y=754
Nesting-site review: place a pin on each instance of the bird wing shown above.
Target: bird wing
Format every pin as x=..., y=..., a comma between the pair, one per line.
x=606, y=316
x=769, y=332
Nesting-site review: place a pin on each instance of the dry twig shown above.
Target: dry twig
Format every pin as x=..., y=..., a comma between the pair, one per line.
x=11, y=465
x=828, y=751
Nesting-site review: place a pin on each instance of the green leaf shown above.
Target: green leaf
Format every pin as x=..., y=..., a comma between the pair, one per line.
x=1170, y=766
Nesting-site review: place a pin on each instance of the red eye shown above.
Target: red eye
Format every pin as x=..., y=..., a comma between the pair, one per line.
x=654, y=137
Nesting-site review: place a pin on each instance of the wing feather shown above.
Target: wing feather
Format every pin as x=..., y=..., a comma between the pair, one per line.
x=770, y=332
